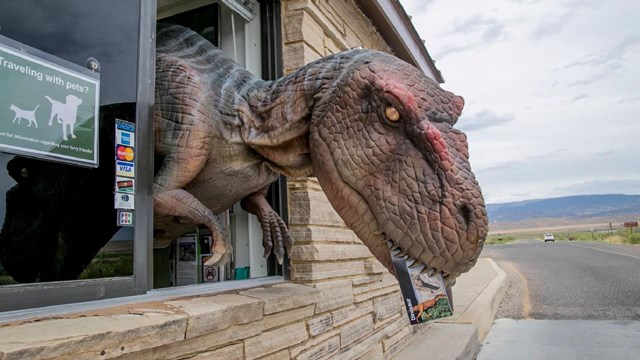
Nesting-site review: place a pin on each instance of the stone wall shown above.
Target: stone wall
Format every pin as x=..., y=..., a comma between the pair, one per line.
x=358, y=299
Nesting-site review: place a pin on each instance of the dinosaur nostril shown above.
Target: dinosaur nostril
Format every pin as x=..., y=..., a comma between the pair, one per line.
x=465, y=211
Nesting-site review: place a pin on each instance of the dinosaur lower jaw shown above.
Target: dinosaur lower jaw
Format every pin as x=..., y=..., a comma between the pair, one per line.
x=449, y=279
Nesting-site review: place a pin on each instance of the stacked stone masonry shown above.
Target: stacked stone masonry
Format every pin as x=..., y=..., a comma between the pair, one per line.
x=341, y=302
x=283, y=321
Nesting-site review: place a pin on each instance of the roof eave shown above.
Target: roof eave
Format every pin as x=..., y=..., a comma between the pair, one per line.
x=396, y=28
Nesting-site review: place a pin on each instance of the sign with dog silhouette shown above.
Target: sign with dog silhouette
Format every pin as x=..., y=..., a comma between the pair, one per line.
x=48, y=106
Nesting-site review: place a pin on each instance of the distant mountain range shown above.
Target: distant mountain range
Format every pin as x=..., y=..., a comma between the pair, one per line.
x=567, y=208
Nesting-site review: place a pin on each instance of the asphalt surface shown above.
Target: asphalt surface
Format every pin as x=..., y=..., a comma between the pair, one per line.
x=566, y=300
x=569, y=280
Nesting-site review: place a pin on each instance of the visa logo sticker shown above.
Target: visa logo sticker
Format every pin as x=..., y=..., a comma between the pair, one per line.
x=125, y=168
x=124, y=201
x=125, y=138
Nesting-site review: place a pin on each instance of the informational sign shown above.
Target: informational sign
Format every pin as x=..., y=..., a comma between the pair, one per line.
x=630, y=224
x=186, y=264
x=48, y=106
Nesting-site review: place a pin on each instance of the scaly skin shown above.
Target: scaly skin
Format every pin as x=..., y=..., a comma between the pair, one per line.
x=376, y=132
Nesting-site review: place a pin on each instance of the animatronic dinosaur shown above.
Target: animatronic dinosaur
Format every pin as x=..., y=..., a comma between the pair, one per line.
x=376, y=132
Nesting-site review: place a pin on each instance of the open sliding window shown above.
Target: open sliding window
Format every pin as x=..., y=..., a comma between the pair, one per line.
x=76, y=149
x=235, y=27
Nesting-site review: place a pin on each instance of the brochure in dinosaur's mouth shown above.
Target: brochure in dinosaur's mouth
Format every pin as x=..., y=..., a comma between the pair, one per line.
x=425, y=297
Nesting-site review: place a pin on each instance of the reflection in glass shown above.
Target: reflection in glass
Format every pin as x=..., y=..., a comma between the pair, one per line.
x=58, y=221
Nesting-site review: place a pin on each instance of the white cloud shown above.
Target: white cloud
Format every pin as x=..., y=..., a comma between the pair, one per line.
x=551, y=91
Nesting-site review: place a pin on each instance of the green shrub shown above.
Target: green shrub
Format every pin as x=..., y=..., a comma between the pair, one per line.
x=499, y=239
x=633, y=238
x=109, y=265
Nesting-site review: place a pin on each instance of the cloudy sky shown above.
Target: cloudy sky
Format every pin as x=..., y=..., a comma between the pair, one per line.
x=552, y=91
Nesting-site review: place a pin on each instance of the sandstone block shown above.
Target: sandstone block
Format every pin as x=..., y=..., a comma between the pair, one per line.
x=90, y=337
x=355, y=330
x=375, y=293
x=297, y=55
x=272, y=341
x=359, y=348
x=364, y=280
x=305, y=234
x=300, y=26
x=385, y=281
x=212, y=313
x=375, y=354
x=304, y=183
x=312, y=342
x=333, y=295
x=282, y=355
x=283, y=297
x=195, y=345
x=324, y=350
x=289, y=316
x=344, y=315
x=320, y=324
x=397, y=341
x=312, y=208
x=325, y=270
x=393, y=324
x=231, y=352
x=386, y=306
x=330, y=252
x=373, y=266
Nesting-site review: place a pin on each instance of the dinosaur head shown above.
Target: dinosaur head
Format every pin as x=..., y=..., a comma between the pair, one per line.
x=393, y=165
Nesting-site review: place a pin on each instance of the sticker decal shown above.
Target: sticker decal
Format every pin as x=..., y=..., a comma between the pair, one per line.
x=125, y=138
x=125, y=217
x=124, y=201
x=124, y=168
x=124, y=153
x=125, y=185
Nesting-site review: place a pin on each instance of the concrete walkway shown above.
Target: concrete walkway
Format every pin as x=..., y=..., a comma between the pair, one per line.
x=476, y=297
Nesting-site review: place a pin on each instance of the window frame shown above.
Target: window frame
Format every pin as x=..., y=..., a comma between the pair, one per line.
x=25, y=296
x=45, y=299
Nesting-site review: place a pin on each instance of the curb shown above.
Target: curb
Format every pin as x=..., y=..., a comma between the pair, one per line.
x=482, y=310
x=462, y=334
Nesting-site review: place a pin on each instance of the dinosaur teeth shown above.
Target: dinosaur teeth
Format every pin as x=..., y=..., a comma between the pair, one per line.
x=414, y=264
x=428, y=271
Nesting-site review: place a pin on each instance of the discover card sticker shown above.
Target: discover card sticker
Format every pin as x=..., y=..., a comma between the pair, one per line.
x=125, y=185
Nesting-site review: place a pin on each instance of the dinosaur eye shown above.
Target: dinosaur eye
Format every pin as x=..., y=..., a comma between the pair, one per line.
x=392, y=113
x=24, y=173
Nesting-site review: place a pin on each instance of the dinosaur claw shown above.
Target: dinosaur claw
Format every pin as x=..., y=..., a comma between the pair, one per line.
x=214, y=259
x=220, y=254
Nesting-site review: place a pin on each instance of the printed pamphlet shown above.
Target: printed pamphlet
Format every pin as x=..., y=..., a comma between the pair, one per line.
x=425, y=297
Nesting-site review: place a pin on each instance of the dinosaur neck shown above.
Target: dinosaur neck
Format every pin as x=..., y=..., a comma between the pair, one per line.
x=278, y=115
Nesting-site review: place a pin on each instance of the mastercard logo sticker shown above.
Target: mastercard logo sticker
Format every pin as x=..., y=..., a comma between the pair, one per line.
x=124, y=153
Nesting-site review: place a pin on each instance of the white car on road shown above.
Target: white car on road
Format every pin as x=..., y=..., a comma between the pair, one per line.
x=549, y=237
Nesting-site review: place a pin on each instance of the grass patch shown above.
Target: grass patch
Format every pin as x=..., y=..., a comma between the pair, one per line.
x=500, y=239
x=111, y=264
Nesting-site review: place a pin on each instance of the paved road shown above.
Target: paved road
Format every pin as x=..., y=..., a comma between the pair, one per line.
x=570, y=300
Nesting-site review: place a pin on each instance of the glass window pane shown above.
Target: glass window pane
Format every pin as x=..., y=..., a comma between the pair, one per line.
x=58, y=220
